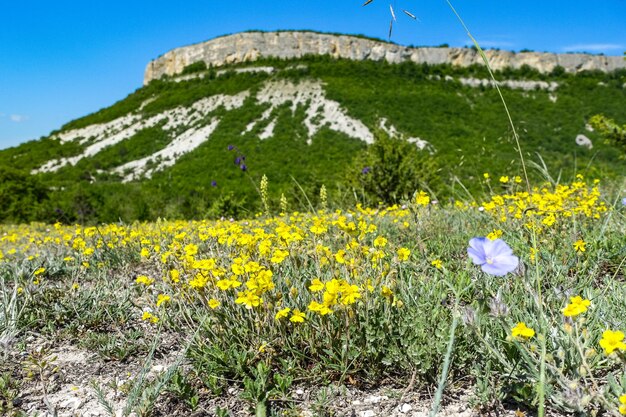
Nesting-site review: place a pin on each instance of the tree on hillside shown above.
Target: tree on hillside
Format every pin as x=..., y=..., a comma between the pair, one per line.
x=392, y=169
x=22, y=196
x=611, y=130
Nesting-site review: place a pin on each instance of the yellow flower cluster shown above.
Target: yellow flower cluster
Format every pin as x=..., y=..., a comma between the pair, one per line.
x=336, y=292
x=251, y=264
x=544, y=206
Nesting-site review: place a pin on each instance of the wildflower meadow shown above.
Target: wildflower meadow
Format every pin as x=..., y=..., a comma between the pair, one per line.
x=520, y=295
x=514, y=297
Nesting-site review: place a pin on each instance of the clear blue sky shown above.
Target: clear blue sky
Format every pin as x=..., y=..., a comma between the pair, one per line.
x=60, y=60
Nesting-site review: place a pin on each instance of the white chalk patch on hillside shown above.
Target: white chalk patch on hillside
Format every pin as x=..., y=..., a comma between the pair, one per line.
x=391, y=130
x=188, y=116
x=268, y=132
x=319, y=111
x=525, y=85
x=166, y=157
x=102, y=141
x=266, y=114
x=420, y=143
x=99, y=130
x=186, y=141
x=189, y=129
x=267, y=70
x=111, y=133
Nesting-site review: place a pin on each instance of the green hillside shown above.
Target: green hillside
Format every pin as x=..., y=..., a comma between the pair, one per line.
x=465, y=126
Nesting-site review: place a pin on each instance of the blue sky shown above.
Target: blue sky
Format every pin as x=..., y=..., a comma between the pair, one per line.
x=60, y=60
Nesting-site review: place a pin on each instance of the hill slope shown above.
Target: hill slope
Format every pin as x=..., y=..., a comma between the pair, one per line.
x=197, y=144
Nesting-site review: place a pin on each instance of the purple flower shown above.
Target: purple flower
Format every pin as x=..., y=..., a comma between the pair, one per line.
x=238, y=160
x=243, y=167
x=624, y=201
x=213, y=183
x=495, y=257
x=366, y=170
x=231, y=147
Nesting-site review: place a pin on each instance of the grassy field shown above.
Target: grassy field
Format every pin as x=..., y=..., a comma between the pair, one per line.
x=367, y=297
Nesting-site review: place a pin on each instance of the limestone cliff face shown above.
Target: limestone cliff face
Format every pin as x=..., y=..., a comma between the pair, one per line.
x=249, y=46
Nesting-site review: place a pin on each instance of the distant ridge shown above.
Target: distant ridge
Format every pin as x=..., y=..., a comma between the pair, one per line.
x=250, y=46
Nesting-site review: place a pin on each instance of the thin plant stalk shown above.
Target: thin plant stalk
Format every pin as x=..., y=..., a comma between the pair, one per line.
x=541, y=391
x=446, y=367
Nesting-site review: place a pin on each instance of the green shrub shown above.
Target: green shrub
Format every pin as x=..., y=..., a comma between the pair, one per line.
x=392, y=169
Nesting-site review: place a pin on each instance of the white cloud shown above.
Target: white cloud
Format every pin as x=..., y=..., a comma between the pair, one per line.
x=593, y=47
x=18, y=118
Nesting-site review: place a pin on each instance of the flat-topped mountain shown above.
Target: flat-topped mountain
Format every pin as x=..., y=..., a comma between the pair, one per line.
x=250, y=46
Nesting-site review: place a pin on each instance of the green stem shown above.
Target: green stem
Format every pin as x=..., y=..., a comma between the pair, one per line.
x=446, y=367
x=261, y=409
x=541, y=389
x=497, y=86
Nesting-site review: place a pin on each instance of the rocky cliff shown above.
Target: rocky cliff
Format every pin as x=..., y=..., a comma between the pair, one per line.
x=249, y=46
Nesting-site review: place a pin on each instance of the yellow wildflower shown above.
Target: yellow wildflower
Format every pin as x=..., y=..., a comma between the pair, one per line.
x=350, y=294
x=403, y=254
x=522, y=331
x=437, y=263
x=504, y=179
x=226, y=284
x=386, y=291
x=380, y=242
x=249, y=299
x=282, y=313
x=203, y=264
x=612, y=340
x=162, y=298
x=322, y=309
x=198, y=282
x=496, y=234
x=149, y=317
x=622, y=407
x=279, y=256
x=318, y=229
x=39, y=271
x=422, y=199
x=316, y=285
x=340, y=256
x=213, y=303
x=190, y=249
x=577, y=306
x=297, y=316
x=579, y=245
x=142, y=279
x=175, y=275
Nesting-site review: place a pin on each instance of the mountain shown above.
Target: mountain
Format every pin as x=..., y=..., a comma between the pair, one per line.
x=303, y=108
x=251, y=46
